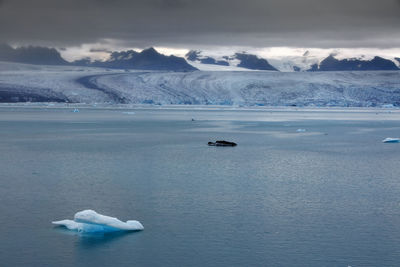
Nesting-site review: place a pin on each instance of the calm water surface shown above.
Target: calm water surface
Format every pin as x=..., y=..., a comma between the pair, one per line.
x=327, y=197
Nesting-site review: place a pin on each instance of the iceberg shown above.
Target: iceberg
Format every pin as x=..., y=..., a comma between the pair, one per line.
x=300, y=130
x=391, y=140
x=89, y=221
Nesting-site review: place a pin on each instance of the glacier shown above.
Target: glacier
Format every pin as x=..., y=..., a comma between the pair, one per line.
x=230, y=88
x=89, y=221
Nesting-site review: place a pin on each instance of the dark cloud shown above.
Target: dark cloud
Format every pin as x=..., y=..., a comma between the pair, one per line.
x=95, y=50
x=313, y=23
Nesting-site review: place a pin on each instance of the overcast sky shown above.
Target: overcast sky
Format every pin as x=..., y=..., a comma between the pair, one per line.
x=193, y=23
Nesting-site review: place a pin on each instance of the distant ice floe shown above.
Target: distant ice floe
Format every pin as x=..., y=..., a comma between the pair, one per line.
x=391, y=140
x=89, y=221
x=388, y=106
x=301, y=130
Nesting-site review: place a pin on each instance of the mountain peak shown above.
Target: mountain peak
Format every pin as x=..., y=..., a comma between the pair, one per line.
x=150, y=51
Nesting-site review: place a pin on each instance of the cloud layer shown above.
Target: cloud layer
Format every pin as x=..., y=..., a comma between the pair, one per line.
x=180, y=23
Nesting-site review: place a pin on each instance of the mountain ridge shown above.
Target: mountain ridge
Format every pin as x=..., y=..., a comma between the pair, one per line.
x=35, y=55
x=147, y=59
x=151, y=59
x=353, y=64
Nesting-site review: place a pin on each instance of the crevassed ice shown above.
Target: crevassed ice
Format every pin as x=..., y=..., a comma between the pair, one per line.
x=91, y=221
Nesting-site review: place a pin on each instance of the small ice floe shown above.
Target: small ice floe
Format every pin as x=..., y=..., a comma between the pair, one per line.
x=76, y=110
x=128, y=112
x=89, y=221
x=391, y=140
x=300, y=130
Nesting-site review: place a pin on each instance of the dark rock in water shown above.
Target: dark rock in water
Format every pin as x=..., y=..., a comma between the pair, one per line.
x=222, y=143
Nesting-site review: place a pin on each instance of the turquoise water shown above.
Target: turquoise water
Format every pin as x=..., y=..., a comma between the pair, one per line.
x=329, y=196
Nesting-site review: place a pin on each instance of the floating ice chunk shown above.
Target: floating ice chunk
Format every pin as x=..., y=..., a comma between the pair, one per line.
x=128, y=112
x=70, y=224
x=300, y=130
x=76, y=110
x=391, y=140
x=388, y=106
x=89, y=221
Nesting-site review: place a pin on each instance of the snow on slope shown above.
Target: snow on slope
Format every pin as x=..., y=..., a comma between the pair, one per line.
x=213, y=67
x=287, y=59
x=50, y=81
x=290, y=63
x=247, y=88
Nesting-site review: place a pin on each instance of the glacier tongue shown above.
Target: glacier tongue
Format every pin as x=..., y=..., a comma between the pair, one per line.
x=89, y=221
x=19, y=83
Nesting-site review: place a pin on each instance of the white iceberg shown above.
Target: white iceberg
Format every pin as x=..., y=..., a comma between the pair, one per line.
x=89, y=221
x=300, y=130
x=391, y=140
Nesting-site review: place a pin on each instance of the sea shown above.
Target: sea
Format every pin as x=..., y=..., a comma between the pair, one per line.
x=303, y=187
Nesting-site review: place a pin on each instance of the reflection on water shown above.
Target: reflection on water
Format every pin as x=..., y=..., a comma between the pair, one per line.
x=96, y=240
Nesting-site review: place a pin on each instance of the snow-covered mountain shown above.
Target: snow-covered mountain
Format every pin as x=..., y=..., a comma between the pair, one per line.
x=150, y=59
x=19, y=82
x=238, y=61
x=195, y=55
x=292, y=63
x=308, y=61
x=249, y=61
